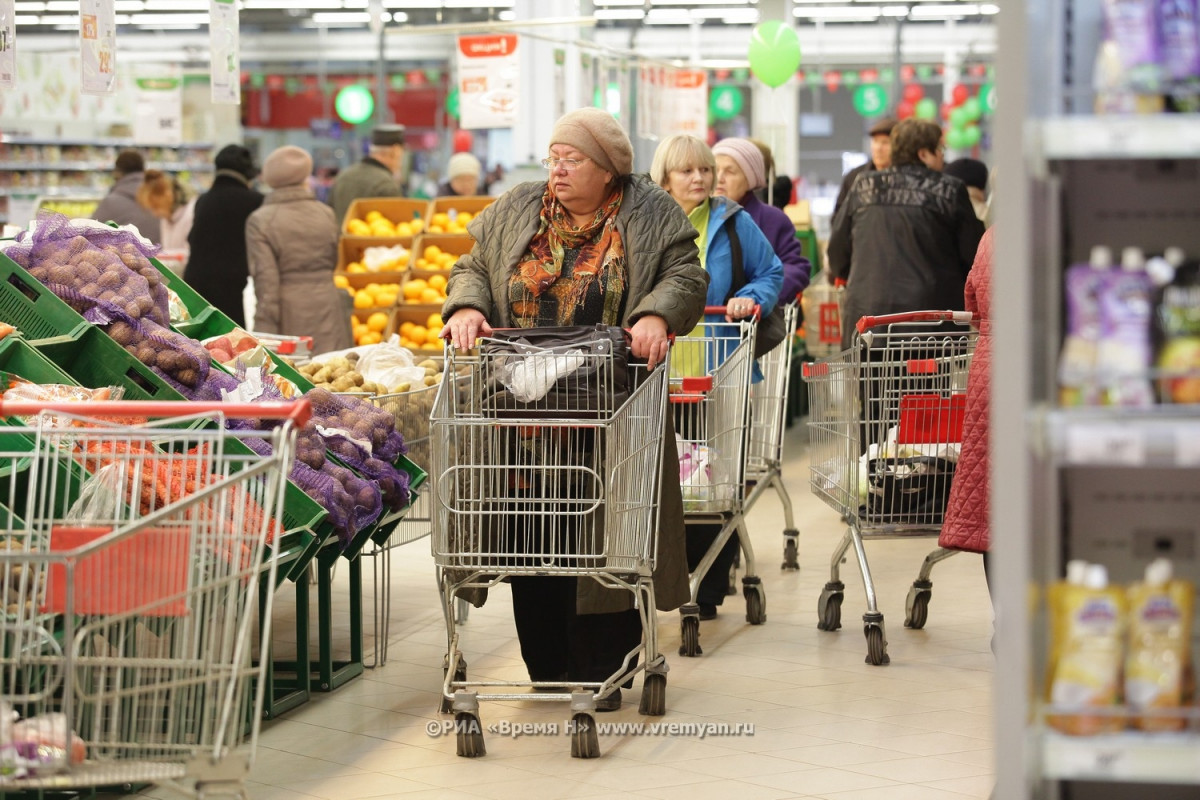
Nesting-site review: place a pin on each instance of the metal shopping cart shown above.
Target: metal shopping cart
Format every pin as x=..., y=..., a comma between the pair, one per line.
x=133, y=557
x=710, y=392
x=764, y=445
x=565, y=484
x=885, y=422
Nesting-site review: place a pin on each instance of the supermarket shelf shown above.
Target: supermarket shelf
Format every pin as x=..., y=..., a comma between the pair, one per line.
x=1123, y=757
x=53, y=191
x=43, y=140
x=95, y=166
x=1091, y=137
x=1164, y=436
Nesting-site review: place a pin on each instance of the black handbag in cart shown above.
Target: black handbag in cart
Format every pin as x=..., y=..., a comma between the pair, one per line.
x=575, y=371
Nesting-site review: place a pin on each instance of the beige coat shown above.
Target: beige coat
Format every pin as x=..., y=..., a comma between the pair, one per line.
x=291, y=247
x=665, y=279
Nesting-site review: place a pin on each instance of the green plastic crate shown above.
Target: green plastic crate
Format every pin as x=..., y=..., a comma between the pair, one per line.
x=31, y=308
x=206, y=319
x=94, y=360
x=389, y=522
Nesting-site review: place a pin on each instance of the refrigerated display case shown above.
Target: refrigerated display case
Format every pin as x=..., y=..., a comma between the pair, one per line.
x=1114, y=485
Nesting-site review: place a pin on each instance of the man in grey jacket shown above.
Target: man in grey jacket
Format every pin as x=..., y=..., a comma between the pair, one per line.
x=375, y=176
x=120, y=205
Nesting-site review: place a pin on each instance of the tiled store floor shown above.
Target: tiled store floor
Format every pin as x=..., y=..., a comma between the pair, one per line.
x=826, y=725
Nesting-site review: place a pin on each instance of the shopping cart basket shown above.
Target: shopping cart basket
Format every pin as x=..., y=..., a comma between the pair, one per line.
x=884, y=427
x=131, y=570
x=710, y=392
x=562, y=485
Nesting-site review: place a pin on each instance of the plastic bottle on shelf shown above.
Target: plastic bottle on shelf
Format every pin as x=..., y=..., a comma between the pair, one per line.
x=1158, y=668
x=1127, y=74
x=1085, y=285
x=1180, y=36
x=1125, y=354
x=1086, y=675
x=1176, y=332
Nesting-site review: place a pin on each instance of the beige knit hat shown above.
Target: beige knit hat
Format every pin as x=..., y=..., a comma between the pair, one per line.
x=463, y=164
x=748, y=158
x=597, y=134
x=287, y=166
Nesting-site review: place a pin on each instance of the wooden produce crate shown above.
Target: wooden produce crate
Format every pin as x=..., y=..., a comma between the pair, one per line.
x=382, y=299
x=352, y=249
x=394, y=209
x=451, y=206
x=455, y=244
x=429, y=346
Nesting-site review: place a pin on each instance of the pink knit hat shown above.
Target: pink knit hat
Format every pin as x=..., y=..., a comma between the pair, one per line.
x=748, y=157
x=287, y=166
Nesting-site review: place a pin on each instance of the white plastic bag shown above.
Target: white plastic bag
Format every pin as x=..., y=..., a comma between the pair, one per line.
x=384, y=259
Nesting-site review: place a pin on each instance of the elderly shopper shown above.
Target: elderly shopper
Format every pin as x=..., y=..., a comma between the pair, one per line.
x=292, y=246
x=121, y=205
x=741, y=169
x=725, y=232
x=463, y=173
x=377, y=175
x=592, y=244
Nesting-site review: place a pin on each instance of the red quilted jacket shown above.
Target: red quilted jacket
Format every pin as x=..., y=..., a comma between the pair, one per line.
x=965, y=526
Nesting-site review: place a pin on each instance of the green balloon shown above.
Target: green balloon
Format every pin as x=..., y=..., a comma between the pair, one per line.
x=987, y=97
x=959, y=118
x=774, y=52
x=926, y=108
x=973, y=135
x=354, y=104
x=956, y=138
x=452, y=103
x=973, y=108
x=724, y=102
x=870, y=100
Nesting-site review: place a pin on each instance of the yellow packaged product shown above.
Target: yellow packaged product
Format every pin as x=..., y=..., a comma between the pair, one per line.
x=1158, y=663
x=1086, y=673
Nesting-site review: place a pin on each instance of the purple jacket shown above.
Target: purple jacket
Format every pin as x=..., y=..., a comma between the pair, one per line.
x=781, y=233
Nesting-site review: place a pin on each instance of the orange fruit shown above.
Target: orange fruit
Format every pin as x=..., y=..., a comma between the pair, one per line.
x=377, y=321
x=432, y=253
x=355, y=268
x=406, y=328
x=432, y=296
x=341, y=281
x=434, y=321
x=371, y=337
x=363, y=300
x=419, y=334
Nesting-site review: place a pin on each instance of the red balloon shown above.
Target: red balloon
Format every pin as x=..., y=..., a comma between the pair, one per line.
x=959, y=94
x=907, y=72
x=913, y=92
x=712, y=137
x=463, y=141
x=905, y=109
x=946, y=109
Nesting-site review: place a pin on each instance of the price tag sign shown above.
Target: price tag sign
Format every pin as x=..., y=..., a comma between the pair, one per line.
x=8, y=44
x=225, y=72
x=158, y=114
x=98, y=46
x=1106, y=444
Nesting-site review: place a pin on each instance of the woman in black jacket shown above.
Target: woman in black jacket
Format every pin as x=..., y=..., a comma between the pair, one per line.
x=217, y=267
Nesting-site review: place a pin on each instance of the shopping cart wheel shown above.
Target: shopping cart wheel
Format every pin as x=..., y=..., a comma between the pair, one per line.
x=876, y=642
x=790, y=549
x=654, y=695
x=756, y=600
x=829, y=606
x=470, y=735
x=916, y=606
x=689, y=634
x=585, y=743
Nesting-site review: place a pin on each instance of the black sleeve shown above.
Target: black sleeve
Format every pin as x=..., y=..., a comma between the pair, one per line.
x=839, y=248
x=970, y=229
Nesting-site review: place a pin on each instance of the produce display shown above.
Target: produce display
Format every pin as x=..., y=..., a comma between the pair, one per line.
x=434, y=258
x=339, y=375
x=425, y=291
x=452, y=221
x=376, y=224
x=417, y=336
x=373, y=295
x=411, y=407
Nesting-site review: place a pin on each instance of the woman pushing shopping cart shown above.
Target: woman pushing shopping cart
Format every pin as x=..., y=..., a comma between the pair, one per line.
x=884, y=431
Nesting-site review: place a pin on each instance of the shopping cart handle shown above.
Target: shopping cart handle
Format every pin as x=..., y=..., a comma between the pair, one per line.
x=866, y=323
x=298, y=411
x=724, y=310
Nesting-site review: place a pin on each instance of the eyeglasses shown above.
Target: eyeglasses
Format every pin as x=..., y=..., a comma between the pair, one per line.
x=569, y=164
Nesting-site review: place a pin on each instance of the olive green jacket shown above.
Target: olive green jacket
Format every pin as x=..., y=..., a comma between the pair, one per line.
x=664, y=279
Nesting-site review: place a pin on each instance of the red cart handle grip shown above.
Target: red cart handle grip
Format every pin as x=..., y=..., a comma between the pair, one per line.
x=298, y=411
x=964, y=317
x=724, y=310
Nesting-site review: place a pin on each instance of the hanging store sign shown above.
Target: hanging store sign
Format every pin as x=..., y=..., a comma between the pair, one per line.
x=488, y=80
x=158, y=112
x=8, y=44
x=98, y=46
x=685, y=106
x=223, y=35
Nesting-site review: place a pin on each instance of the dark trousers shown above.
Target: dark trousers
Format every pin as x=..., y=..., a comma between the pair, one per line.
x=557, y=643
x=714, y=584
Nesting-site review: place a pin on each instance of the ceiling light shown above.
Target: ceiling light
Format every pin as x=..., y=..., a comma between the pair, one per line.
x=25, y=20
x=736, y=16
x=23, y=7
x=177, y=5
x=130, y=5
x=701, y=2
x=284, y=5
x=341, y=17
x=618, y=13
x=508, y=15
x=989, y=9
x=722, y=13
x=156, y=20
x=668, y=16
x=945, y=11
x=477, y=4
x=638, y=3
x=894, y=11
x=847, y=13
x=63, y=5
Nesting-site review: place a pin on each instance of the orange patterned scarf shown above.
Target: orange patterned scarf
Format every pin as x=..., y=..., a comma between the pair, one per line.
x=601, y=253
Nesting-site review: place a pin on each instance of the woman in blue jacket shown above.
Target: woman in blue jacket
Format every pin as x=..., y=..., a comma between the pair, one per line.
x=686, y=168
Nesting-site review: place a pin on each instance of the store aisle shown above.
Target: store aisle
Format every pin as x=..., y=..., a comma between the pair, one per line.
x=826, y=725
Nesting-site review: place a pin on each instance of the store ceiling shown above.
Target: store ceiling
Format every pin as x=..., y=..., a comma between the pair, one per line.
x=274, y=16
